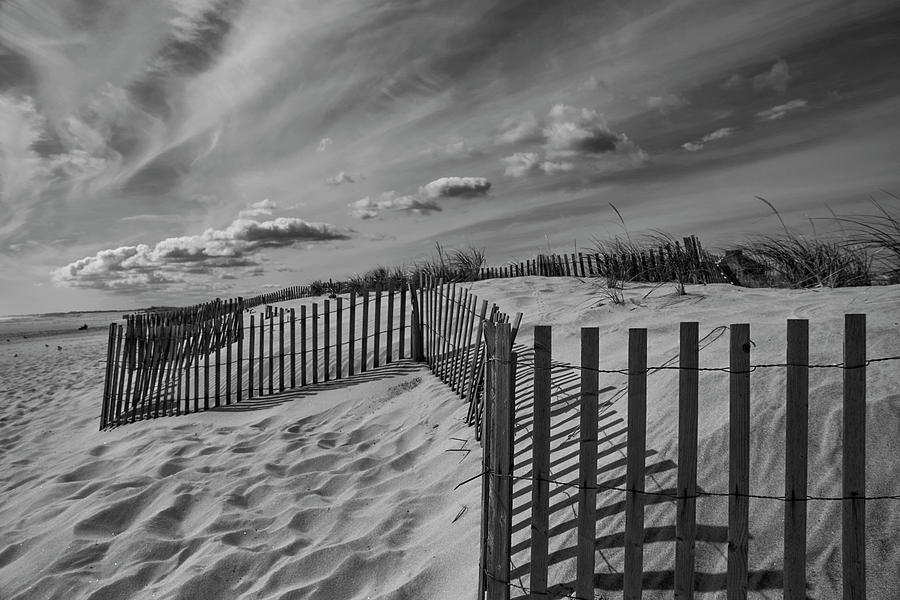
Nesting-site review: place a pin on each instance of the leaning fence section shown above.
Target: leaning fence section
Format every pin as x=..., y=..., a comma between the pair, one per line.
x=497, y=581
x=222, y=353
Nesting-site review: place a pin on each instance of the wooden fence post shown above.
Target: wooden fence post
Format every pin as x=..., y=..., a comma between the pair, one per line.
x=262, y=347
x=314, y=319
x=326, y=340
x=240, y=354
x=634, y=475
x=402, y=347
x=853, y=555
x=376, y=341
x=540, y=450
x=686, y=511
x=281, y=385
x=587, y=463
x=271, y=350
x=364, y=338
x=738, y=461
x=293, y=348
x=502, y=466
x=338, y=348
x=389, y=330
x=303, y=345
x=795, y=459
x=351, y=348
x=416, y=339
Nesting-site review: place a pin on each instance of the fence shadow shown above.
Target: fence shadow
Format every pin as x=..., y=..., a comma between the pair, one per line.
x=611, y=461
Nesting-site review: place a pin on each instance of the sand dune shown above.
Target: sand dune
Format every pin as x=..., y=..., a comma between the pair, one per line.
x=347, y=492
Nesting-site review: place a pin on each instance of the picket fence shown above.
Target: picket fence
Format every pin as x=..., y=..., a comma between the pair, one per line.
x=495, y=581
x=193, y=359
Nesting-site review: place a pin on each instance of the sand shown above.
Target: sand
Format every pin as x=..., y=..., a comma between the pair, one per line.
x=345, y=491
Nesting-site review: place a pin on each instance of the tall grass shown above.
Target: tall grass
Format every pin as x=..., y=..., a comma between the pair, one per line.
x=879, y=234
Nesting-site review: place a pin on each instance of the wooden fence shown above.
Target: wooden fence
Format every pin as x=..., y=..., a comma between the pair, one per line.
x=220, y=353
x=689, y=263
x=495, y=582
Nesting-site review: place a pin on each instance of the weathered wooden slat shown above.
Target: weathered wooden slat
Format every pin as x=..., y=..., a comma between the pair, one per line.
x=303, y=378
x=634, y=474
x=338, y=342
x=351, y=348
x=795, y=457
x=326, y=341
x=853, y=521
x=376, y=341
x=293, y=318
x=262, y=347
x=272, y=349
x=239, y=367
x=389, y=328
x=250, y=358
x=540, y=451
x=401, y=351
x=315, y=343
x=587, y=463
x=281, y=384
x=686, y=509
x=364, y=337
x=738, y=461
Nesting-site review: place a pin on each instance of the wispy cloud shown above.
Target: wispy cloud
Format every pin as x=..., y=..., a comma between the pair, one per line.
x=340, y=179
x=779, y=111
x=775, y=78
x=718, y=134
x=666, y=104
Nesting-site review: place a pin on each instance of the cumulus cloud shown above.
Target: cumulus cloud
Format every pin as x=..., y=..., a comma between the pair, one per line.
x=169, y=261
x=367, y=208
x=779, y=111
x=424, y=201
x=523, y=163
x=340, y=179
x=666, y=104
x=718, y=134
x=775, y=78
x=572, y=131
x=323, y=144
x=449, y=187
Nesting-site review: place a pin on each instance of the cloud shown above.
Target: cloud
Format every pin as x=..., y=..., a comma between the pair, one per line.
x=323, y=144
x=462, y=187
x=263, y=208
x=571, y=131
x=779, y=111
x=367, y=208
x=170, y=261
x=666, y=104
x=423, y=202
x=523, y=163
x=339, y=179
x=734, y=82
x=520, y=129
x=718, y=134
x=775, y=78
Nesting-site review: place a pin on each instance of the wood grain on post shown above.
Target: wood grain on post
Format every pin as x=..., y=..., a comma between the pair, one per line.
x=107, y=385
x=540, y=450
x=587, y=463
x=465, y=345
x=199, y=333
x=853, y=530
x=686, y=510
x=476, y=362
x=121, y=396
x=738, y=462
x=351, y=348
x=795, y=459
x=460, y=313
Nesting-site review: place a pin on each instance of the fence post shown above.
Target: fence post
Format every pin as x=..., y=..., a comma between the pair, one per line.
x=795, y=467
x=416, y=341
x=364, y=338
x=738, y=461
x=351, y=322
x=540, y=450
x=326, y=340
x=389, y=330
x=853, y=520
x=587, y=463
x=686, y=519
x=302, y=344
x=401, y=351
x=240, y=354
x=281, y=351
x=293, y=348
x=338, y=348
x=315, y=342
x=501, y=465
x=634, y=475
x=271, y=350
x=376, y=340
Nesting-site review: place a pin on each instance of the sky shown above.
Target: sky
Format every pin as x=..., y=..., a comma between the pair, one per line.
x=173, y=151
